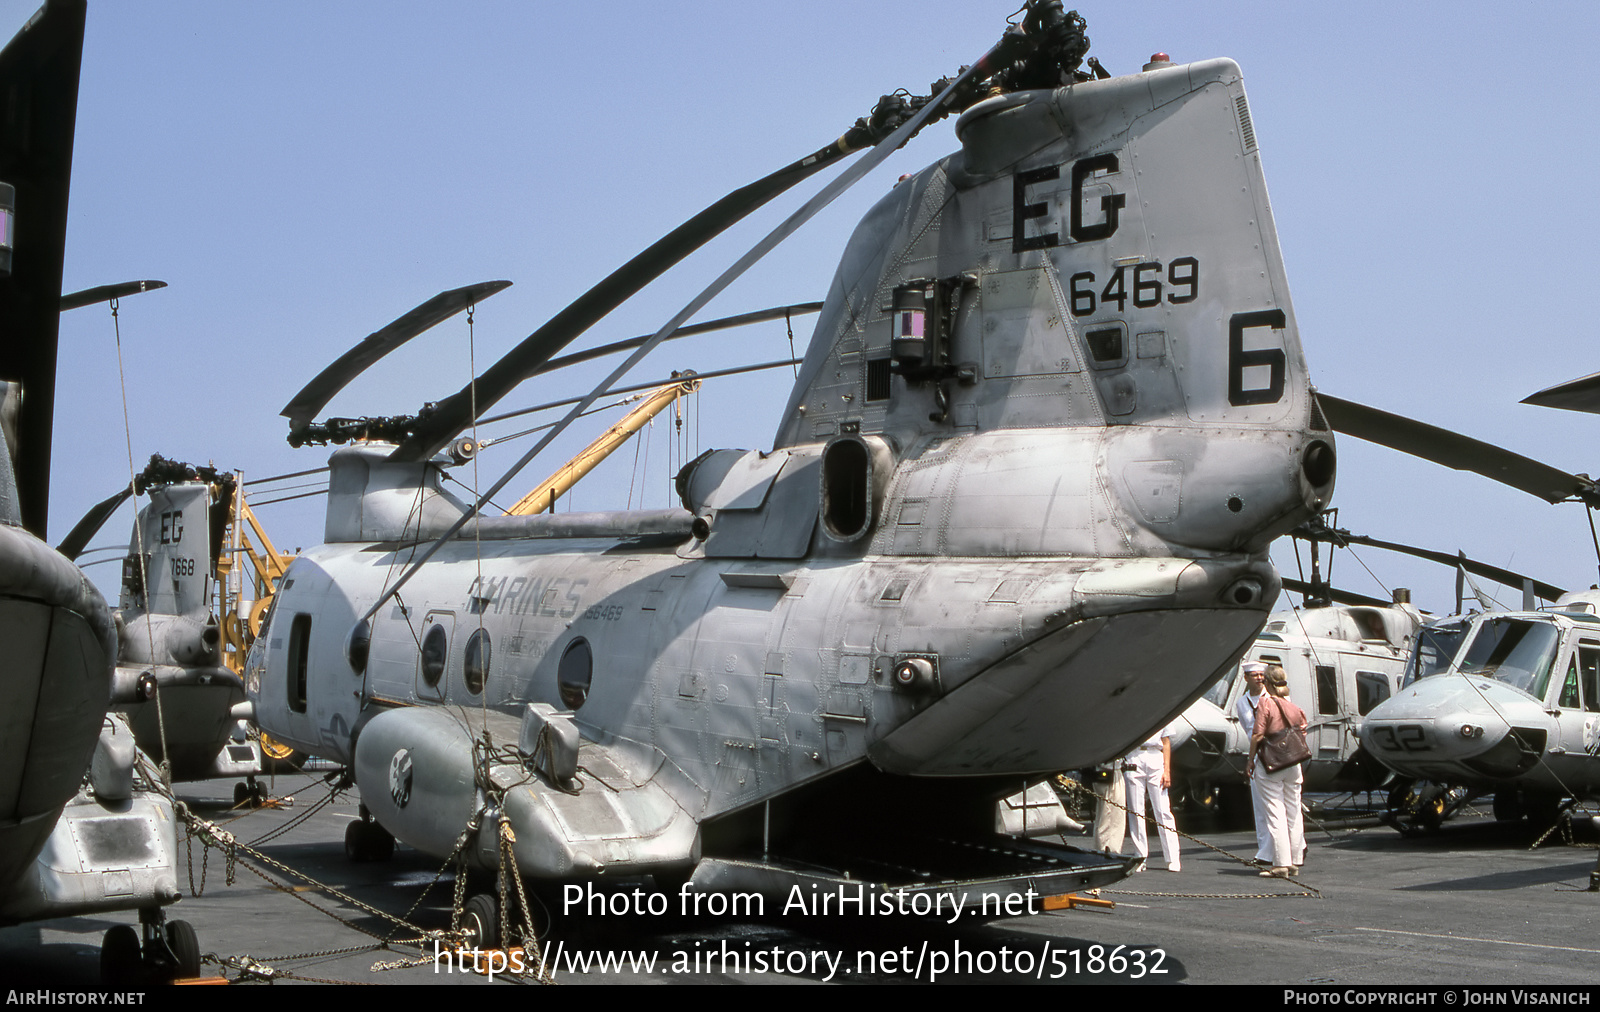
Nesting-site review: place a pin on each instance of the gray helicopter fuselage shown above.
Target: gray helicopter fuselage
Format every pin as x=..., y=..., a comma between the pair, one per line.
x=168, y=634
x=1017, y=513
x=1497, y=699
x=1341, y=662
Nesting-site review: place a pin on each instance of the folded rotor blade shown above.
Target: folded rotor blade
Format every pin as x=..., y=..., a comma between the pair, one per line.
x=77, y=538
x=1574, y=395
x=454, y=413
x=309, y=402
x=1546, y=591
x=1334, y=594
x=743, y=319
x=982, y=68
x=1453, y=450
x=105, y=293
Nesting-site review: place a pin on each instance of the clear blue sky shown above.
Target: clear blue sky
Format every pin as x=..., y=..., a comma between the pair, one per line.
x=302, y=173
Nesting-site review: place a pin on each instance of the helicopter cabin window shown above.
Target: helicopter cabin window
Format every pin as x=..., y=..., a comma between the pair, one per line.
x=475, y=662
x=435, y=647
x=1514, y=651
x=358, y=646
x=1218, y=693
x=1372, y=688
x=574, y=674
x=1327, y=688
x=299, y=654
x=1436, y=647
x=1581, y=687
x=1589, y=675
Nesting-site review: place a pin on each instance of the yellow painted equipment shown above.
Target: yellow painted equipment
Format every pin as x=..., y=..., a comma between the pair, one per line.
x=552, y=488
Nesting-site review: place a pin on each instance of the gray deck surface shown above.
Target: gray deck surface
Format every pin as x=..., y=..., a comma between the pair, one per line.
x=1469, y=905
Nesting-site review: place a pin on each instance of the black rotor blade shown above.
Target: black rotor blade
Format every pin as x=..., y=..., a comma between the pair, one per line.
x=1453, y=450
x=1581, y=394
x=73, y=544
x=454, y=413
x=39, y=99
x=904, y=132
x=1334, y=594
x=310, y=401
x=743, y=319
x=1545, y=591
x=105, y=293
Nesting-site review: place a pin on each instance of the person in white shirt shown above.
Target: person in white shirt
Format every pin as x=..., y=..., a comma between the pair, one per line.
x=1244, y=708
x=1148, y=773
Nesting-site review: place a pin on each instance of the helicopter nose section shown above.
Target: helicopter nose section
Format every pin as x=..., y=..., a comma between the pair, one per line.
x=1453, y=726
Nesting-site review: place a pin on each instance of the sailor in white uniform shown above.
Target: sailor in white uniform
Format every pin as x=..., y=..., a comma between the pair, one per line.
x=1148, y=773
x=1255, y=673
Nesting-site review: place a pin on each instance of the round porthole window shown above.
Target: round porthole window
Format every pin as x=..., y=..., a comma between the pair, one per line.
x=475, y=662
x=575, y=673
x=435, y=646
x=359, y=645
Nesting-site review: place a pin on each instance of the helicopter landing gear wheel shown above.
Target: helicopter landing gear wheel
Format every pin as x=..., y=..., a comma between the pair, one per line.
x=480, y=916
x=249, y=792
x=276, y=757
x=121, y=964
x=366, y=842
x=185, y=946
x=1430, y=814
x=1508, y=806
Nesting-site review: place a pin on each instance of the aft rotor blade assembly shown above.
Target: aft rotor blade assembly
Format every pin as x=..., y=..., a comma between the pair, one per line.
x=1581, y=394
x=1344, y=539
x=315, y=395
x=85, y=529
x=106, y=293
x=1044, y=50
x=1453, y=450
x=1309, y=590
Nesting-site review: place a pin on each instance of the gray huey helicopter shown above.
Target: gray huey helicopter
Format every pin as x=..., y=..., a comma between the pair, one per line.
x=1016, y=516
x=1507, y=702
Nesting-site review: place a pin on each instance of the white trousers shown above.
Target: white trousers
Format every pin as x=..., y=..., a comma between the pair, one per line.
x=1281, y=792
x=1109, y=821
x=1258, y=808
x=1144, y=781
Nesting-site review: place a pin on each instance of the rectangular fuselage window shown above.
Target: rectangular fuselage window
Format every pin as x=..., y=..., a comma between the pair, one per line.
x=299, y=653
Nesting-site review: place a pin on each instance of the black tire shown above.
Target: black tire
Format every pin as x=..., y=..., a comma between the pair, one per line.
x=1508, y=806
x=1543, y=809
x=366, y=842
x=185, y=946
x=480, y=916
x=121, y=964
x=241, y=794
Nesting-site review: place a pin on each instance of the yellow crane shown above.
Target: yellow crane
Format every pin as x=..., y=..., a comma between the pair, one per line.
x=552, y=488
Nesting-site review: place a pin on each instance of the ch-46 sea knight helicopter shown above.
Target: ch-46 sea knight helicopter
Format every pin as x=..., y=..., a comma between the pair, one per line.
x=1507, y=702
x=1016, y=515
x=77, y=835
x=187, y=538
